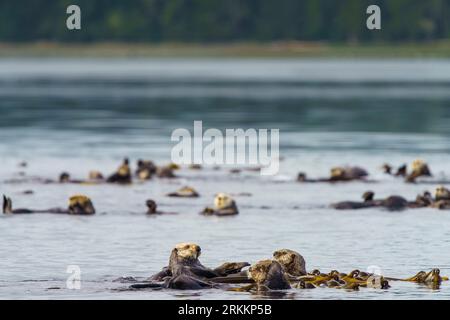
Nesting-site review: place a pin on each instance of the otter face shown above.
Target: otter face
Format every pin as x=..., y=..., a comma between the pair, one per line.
x=223, y=201
x=188, y=251
x=420, y=167
x=124, y=169
x=259, y=271
x=337, y=172
x=64, y=177
x=292, y=262
x=368, y=196
x=442, y=193
x=81, y=205
x=151, y=205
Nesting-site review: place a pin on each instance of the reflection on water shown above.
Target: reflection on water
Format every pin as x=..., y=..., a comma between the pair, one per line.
x=75, y=116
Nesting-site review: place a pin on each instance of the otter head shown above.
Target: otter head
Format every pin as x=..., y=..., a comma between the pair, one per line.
x=64, y=177
x=81, y=205
x=95, y=175
x=433, y=277
x=223, y=201
x=151, y=205
x=270, y=274
x=7, y=205
x=124, y=169
x=368, y=196
x=442, y=193
x=420, y=168
x=292, y=262
x=387, y=168
x=338, y=173
x=145, y=169
x=301, y=177
x=187, y=251
x=401, y=171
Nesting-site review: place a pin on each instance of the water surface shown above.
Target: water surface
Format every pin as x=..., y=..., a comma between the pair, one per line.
x=79, y=115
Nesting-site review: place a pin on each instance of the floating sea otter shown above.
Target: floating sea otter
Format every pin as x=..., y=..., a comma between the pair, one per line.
x=442, y=198
x=441, y=201
x=145, y=169
x=95, y=177
x=224, y=205
x=167, y=171
x=185, y=192
x=122, y=175
x=152, y=208
x=338, y=174
x=78, y=205
x=186, y=272
x=391, y=203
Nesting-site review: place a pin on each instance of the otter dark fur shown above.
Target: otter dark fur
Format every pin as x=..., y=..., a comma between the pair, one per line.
x=391, y=203
x=269, y=275
x=122, y=175
x=185, y=271
x=338, y=174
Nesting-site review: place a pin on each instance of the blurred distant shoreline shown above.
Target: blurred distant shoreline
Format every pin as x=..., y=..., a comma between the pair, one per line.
x=290, y=49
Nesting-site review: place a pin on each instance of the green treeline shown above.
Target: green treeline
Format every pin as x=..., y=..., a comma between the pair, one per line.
x=224, y=20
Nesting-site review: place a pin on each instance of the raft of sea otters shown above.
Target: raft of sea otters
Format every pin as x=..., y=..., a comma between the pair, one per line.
x=285, y=270
x=224, y=205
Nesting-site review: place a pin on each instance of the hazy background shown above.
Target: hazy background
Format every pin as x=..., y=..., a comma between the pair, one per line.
x=224, y=21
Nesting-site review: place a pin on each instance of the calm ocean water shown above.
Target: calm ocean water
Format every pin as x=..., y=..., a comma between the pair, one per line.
x=79, y=115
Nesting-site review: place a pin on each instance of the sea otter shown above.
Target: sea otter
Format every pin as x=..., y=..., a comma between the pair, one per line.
x=442, y=198
x=292, y=262
x=185, y=192
x=269, y=275
x=186, y=272
x=224, y=205
x=367, y=203
x=122, y=175
x=419, y=169
x=152, y=208
x=78, y=205
x=145, y=169
x=94, y=178
x=338, y=174
x=433, y=276
x=166, y=172
x=391, y=203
